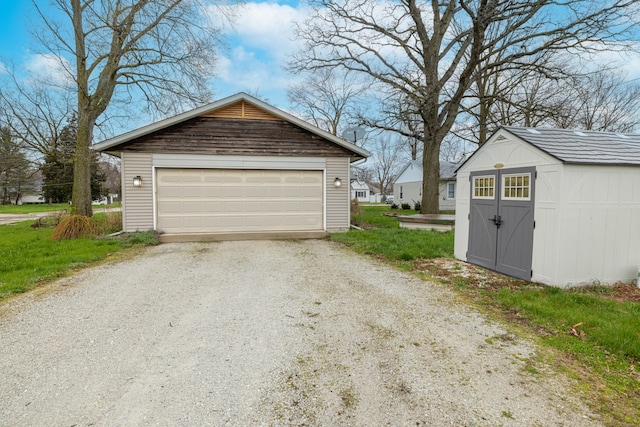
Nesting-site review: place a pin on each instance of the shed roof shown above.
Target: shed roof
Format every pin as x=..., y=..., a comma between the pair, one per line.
x=113, y=143
x=582, y=146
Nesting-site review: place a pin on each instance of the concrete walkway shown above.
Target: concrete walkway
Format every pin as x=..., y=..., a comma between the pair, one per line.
x=13, y=218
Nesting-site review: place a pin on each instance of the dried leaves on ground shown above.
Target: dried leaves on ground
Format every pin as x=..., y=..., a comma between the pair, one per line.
x=479, y=278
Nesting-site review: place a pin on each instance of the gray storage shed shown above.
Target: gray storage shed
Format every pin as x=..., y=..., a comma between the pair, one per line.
x=554, y=206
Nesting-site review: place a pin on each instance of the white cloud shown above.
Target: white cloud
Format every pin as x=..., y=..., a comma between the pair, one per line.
x=3, y=68
x=49, y=68
x=261, y=42
x=268, y=27
x=625, y=59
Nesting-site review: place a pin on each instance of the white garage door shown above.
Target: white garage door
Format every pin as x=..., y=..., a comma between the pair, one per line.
x=228, y=200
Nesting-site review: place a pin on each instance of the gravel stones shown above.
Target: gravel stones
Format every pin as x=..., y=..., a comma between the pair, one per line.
x=266, y=333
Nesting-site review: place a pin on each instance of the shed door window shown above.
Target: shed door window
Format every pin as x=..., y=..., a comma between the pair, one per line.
x=516, y=187
x=484, y=187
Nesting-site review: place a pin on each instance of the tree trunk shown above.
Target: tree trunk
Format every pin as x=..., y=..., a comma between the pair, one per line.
x=81, y=196
x=430, y=175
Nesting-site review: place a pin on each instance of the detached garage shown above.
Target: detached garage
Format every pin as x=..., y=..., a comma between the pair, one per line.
x=554, y=206
x=235, y=169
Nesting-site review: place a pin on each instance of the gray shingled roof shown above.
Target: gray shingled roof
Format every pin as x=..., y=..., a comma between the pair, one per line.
x=447, y=169
x=588, y=147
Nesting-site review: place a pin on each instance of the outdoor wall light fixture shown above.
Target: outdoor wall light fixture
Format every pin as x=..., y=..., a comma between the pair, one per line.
x=337, y=182
x=137, y=181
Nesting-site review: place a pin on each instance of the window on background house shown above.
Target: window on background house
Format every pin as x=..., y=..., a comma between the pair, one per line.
x=361, y=194
x=451, y=190
x=401, y=191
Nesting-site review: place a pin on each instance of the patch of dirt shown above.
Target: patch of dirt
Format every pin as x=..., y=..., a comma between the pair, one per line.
x=626, y=292
x=468, y=275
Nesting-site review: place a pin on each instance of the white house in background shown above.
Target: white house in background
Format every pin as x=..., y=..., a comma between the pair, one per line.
x=28, y=199
x=554, y=206
x=360, y=191
x=364, y=193
x=407, y=188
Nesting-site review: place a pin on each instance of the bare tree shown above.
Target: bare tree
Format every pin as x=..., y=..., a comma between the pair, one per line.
x=110, y=169
x=431, y=52
x=159, y=50
x=36, y=115
x=402, y=117
x=386, y=161
x=327, y=98
x=601, y=101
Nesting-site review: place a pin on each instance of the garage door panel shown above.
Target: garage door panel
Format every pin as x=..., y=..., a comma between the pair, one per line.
x=274, y=192
x=212, y=207
x=219, y=200
x=257, y=192
x=264, y=178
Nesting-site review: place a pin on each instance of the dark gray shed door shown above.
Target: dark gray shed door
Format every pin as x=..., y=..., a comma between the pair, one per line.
x=501, y=220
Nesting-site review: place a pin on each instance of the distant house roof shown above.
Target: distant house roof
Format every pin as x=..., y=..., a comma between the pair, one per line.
x=359, y=185
x=447, y=170
x=582, y=146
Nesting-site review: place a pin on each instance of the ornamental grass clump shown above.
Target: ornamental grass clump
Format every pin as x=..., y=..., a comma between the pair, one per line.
x=75, y=226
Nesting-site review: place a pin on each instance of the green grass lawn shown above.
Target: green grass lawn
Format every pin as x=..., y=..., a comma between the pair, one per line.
x=592, y=336
x=29, y=257
x=383, y=236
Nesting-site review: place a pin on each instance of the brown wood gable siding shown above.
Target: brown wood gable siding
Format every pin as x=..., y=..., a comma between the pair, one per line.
x=227, y=136
x=242, y=110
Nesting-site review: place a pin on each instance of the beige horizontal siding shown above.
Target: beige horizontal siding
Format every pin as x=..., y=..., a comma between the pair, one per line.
x=338, y=203
x=137, y=203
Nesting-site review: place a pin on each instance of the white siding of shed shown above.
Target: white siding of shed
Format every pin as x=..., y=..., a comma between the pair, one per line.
x=338, y=201
x=137, y=201
x=599, y=224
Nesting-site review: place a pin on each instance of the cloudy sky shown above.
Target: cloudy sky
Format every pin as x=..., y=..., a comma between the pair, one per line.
x=259, y=44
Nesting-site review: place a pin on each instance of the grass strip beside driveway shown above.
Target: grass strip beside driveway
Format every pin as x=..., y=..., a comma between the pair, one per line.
x=29, y=257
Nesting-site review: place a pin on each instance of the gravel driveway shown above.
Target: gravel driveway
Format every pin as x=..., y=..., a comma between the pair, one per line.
x=265, y=333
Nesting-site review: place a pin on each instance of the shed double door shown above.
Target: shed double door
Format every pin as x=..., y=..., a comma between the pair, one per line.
x=501, y=220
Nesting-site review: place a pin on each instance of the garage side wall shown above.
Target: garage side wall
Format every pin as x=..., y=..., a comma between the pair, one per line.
x=338, y=198
x=137, y=202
